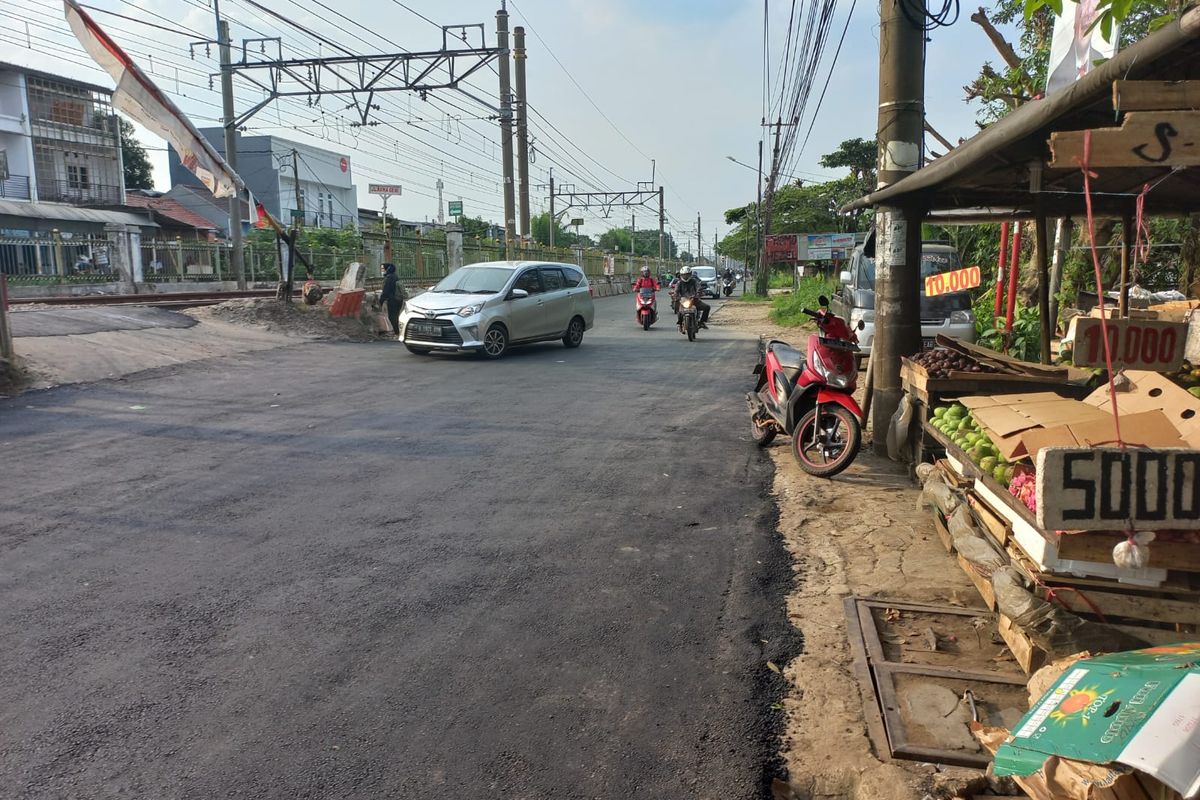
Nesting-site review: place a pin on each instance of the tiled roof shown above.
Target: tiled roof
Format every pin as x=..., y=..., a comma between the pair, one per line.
x=174, y=211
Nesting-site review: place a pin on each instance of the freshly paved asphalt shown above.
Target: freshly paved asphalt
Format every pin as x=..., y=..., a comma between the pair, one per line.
x=343, y=571
x=71, y=321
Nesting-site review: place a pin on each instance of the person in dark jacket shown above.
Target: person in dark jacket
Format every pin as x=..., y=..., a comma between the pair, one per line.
x=392, y=297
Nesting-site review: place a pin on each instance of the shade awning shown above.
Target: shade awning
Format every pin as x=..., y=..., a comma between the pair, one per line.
x=65, y=213
x=994, y=174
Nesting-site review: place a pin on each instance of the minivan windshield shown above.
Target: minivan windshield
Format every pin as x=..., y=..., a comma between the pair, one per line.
x=705, y=273
x=474, y=280
x=932, y=263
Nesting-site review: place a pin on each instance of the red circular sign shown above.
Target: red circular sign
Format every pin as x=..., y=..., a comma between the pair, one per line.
x=345, y=164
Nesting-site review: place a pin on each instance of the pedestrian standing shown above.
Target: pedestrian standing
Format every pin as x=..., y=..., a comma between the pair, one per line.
x=392, y=297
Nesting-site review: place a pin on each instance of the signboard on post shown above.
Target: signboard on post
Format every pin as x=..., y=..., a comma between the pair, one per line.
x=1113, y=488
x=456, y=209
x=1141, y=344
x=385, y=189
x=610, y=265
x=781, y=247
x=826, y=246
x=577, y=221
x=957, y=281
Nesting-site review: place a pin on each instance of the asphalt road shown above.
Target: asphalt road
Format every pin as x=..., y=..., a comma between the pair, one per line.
x=72, y=321
x=343, y=571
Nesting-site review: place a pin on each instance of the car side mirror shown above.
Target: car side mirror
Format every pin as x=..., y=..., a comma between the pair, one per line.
x=822, y=301
x=862, y=325
x=845, y=278
x=517, y=294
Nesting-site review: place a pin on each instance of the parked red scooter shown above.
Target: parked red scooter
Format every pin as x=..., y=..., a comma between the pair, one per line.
x=647, y=308
x=811, y=397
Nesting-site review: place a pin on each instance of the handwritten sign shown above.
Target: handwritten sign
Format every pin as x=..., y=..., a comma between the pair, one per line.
x=958, y=281
x=1145, y=138
x=1108, y=488
x=782, y=247
x=1152, y=345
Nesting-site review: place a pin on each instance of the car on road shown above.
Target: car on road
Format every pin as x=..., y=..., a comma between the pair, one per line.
x=710, y=284
x=492, y=306
x=948, y=314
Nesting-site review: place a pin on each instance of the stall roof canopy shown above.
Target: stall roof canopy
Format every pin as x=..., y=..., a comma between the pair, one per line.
x=993, y=175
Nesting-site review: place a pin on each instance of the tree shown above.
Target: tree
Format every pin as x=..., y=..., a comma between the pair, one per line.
x=859, y=155
x=138, y=172
x=539, y=227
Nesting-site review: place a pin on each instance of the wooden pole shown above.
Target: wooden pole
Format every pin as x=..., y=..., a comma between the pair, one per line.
x=1000, y=272
x=1043, y=267
x=1064, y=233
x=1126, y=253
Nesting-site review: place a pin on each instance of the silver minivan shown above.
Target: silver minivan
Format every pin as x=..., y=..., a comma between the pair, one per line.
x=948, y=314
x=491, y=306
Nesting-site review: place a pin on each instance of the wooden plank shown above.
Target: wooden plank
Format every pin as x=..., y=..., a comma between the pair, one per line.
x=943, y=532
x=1143, y=607
x=1028, y=655
x=866, y=683
x=996, y=526
x=982, y=583
x=1098, y=546
x=1156, y=636
x=1155, y=95
x=1145, y=139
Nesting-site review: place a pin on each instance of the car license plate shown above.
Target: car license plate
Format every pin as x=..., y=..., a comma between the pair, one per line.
x=427, y=329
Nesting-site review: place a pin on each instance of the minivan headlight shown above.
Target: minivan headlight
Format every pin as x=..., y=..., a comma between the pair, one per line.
x=471, y=310
x=961, y=317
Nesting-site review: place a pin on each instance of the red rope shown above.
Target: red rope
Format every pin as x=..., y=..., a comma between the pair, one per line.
x=1087, y=193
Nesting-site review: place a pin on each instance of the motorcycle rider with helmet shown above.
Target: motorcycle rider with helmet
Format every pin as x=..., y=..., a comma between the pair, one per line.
x=646, y=282
x=688, y=285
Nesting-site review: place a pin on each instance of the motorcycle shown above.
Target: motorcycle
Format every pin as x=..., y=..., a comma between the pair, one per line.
x=689, y=316
x=727, y=286
x=810, y=396
x=647, y=308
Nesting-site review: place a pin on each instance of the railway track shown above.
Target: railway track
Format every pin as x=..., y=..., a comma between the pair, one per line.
x=164, y=300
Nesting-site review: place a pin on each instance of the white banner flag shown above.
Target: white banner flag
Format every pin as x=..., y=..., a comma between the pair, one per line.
x=138, y=97
x=1075, y=49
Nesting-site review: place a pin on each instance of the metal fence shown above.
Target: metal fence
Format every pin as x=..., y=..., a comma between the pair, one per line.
x=75, y=259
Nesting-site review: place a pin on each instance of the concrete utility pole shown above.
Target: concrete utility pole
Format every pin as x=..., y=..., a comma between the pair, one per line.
x=632, y=234
x=228, y=114
x=662, y=221
x=553, y=217
x=441, y=205
x=522, y=131
x=506, y=135
x=296, y=187
x=699, y=239
x=898, y=233
x=762, y=279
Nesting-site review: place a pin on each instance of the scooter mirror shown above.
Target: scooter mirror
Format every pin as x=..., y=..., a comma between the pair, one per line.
x=862, y=325
x=823, y=301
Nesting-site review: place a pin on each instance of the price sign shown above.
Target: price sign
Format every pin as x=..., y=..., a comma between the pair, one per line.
x=456, y=208
x=1108, y=488
x=1151, y=345
x=958, y=281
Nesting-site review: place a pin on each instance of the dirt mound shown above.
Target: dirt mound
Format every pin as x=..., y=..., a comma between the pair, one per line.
x=13, y=378
x=294, y=319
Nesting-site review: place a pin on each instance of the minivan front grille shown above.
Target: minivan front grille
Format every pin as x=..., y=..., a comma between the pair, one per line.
x=434, y=331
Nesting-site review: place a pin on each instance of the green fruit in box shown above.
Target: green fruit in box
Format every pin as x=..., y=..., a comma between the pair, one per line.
x=939, y=412
x=955, y=412
x=964, y=425
x=1004, y=474
x=978, y=454
x=1194, y=391
x=988, y=464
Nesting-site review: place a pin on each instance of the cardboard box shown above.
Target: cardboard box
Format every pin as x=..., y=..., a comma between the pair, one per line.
x=1150, y=391
x=1139, y=709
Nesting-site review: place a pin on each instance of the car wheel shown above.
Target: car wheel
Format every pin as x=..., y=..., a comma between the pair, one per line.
x=495, y=342
x=574, y=335
x=418, y=351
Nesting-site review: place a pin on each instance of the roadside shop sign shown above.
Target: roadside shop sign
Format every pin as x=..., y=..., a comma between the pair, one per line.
x=456, y=208
x=1141, y=344
x=1112, y=488
x=782, y=247
x=386, y=189
x=957, y=281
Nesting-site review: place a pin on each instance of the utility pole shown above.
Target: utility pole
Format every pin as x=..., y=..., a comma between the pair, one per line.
x=662, y=221
x=762, y=280
x=699, y=239
x=296, y=186
x=762, y=285
x=522, y=131
x=227, y=114
x=553, y=218
x=632, y=234
x=898, y=233
x=441, y=205
x=506, y=134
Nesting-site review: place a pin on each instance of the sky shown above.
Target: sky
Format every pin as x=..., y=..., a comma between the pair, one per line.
x=623, y=91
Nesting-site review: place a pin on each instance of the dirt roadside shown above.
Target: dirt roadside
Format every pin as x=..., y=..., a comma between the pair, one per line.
x=861, y=533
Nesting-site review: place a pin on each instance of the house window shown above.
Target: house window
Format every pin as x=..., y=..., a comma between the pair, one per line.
x=77, y=177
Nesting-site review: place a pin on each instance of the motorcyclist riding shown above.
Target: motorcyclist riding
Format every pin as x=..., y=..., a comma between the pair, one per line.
x=689, y=285
x=727, y=274
x=646, y=282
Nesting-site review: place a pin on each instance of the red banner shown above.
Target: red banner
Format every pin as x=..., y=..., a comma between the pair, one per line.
x=782, y=247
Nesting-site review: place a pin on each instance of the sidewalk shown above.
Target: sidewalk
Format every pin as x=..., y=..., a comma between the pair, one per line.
x=858, y=534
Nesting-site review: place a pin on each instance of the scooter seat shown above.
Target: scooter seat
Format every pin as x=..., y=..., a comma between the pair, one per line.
x=789, y=357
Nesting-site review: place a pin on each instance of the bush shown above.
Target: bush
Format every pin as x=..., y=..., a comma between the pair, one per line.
x=786, y=310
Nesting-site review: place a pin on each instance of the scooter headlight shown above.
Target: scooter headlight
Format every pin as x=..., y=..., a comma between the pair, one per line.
x=832, y=374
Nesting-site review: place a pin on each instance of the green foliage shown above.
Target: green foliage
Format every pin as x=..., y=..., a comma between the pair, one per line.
x=781, y=278
x=646, y=243
x=138, y=172
x=751, y=298
x=1141, y=16
x=859, y=155
x=1025, y=341
x=786, y=309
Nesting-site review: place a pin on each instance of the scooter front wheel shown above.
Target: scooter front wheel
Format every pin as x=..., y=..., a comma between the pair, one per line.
x=826, y=440
x=647, y=321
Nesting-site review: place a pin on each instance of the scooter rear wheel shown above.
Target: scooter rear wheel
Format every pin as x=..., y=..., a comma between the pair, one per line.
x=763, y=433
x=826, y=452
x=647, y=321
